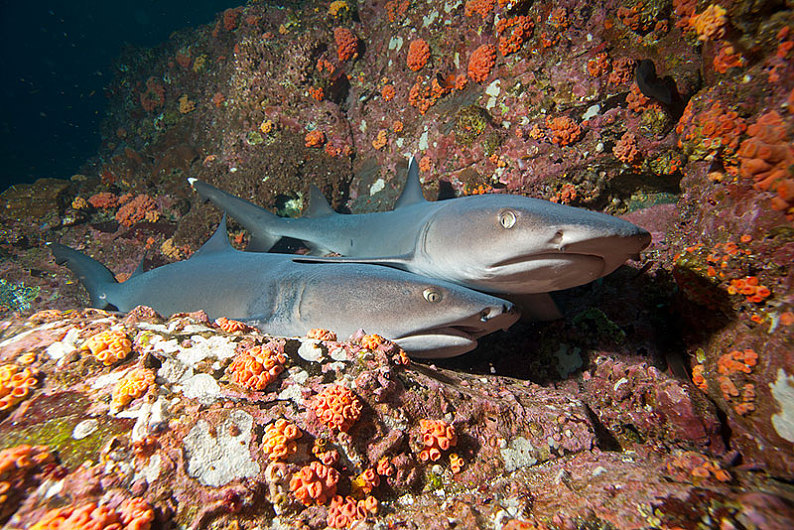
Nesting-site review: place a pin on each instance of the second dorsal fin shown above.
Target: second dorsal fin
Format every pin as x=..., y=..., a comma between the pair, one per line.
x=412, y=192
x=318, y=205
x=219, y=242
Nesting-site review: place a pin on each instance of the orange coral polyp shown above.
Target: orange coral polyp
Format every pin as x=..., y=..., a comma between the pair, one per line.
x=279, y=440
x=344, y=511
x=314, y=483
x=321, y=334
x=256, y=367
x=337, y=407
x=132, y=386
x=132, y=514
x=109, y=346
x=418, y=54
x=346, y=44
x=437, y=436
x=564, y=130
x=481, y=62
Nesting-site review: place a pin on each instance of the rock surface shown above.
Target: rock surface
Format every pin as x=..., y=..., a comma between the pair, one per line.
x=663, y=398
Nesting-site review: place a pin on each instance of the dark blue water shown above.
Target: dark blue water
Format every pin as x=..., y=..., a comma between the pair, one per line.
x=56, y=58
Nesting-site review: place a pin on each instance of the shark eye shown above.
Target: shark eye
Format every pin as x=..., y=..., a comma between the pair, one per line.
x=507, y=218
x=432, y=295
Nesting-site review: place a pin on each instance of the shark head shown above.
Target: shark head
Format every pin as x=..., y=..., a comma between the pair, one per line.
x=428, y=318
x=514, y=244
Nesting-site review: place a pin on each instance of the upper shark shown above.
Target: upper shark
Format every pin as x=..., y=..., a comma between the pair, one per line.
x=426, y=317
x=497, y=243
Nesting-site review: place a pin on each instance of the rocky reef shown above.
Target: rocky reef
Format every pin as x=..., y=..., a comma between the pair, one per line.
x=663, y=399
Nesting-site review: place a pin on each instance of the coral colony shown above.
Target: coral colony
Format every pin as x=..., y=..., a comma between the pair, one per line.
x=664, y=397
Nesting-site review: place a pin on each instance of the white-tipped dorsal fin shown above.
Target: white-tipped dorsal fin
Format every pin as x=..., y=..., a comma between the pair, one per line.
x=219, y=242
x=318, y=205
x=412, y=192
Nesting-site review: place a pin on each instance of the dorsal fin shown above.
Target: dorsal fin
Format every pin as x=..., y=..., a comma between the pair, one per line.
x=219, y=242
x=412, y=192
x=139, y=269
x=318, y=205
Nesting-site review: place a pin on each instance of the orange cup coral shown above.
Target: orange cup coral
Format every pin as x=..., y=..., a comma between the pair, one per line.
x=481, y=62
x=315, y=138
x=279, y=440
x=256, y=367
x=131, y=386
x=314, y=484
x=564, y=131
x=109, y=346
x=321, y=334
x=346, y=44
x=418, y=54
x=15, y=384
x=437, y=436
x=337, y=407
x=132, y=514
x=344, y=511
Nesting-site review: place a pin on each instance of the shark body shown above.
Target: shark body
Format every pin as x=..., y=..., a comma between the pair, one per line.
x=496, y=243
x=428, y=318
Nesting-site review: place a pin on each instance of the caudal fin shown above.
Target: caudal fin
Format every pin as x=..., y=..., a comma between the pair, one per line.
x=95, y=277
x=256, y=220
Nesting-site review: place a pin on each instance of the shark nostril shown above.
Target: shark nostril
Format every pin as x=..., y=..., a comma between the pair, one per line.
x=557, y=238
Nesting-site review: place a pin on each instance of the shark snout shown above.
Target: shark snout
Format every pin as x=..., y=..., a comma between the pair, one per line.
x=492, y=312
x=624, y=238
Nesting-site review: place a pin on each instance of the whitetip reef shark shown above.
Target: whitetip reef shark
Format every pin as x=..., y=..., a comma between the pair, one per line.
x=496, y=243
x=428, y=318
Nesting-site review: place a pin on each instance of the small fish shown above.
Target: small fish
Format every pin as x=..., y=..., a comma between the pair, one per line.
x=650, y=85
x=428, y=318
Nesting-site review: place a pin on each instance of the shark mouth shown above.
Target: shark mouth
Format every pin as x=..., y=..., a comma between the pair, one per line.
x=454, y=339
x=542, y=273
x=571, y=265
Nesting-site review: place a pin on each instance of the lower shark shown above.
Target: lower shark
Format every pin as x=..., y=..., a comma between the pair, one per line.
x=496, y=243
x=281, y=296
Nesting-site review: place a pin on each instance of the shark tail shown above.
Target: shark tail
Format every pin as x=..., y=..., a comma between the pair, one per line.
x=252, y=217
x=95, y=277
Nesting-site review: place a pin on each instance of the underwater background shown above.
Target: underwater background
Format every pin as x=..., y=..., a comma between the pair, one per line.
x=57, y=60
x=664, y=397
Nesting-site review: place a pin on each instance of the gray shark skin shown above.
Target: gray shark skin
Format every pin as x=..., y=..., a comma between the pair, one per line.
x=496, y=243
x=428, y=318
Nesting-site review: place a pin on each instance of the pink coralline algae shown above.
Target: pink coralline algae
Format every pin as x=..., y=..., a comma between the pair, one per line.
x=154, y=95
